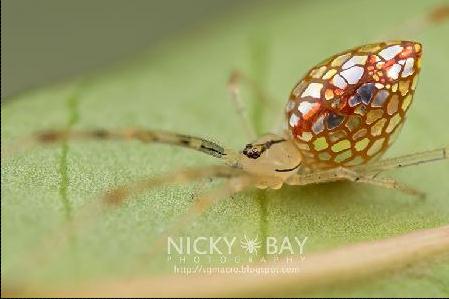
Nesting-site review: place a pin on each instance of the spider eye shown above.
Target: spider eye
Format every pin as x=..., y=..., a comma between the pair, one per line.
x=251, y=151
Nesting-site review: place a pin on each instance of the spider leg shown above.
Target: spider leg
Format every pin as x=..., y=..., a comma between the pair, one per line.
x=88, y=214
x=211, y=148
x=116, y=196
x=236, y=79
x=390, y=183
x=340, y=173
x=434, y=16
x=372, y=169
x=201, y=204
x=236, y=99
x=120, y=194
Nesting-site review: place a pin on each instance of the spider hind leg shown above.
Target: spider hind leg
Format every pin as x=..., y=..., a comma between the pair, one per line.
x=375, y=168
x=367, y=174
x=340, y=174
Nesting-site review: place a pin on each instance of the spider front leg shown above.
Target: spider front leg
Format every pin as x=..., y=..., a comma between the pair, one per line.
x=236, y=79
x=119, y=194
x=116, y=196
x=235, y=96
x=201, y=203
x=341, y=173
x=227, y=155
x=88, y=214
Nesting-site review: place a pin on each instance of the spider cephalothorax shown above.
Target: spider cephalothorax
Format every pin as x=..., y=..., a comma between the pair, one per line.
x=270, y=156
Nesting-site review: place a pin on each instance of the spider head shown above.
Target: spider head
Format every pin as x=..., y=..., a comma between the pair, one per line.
x=271, y=156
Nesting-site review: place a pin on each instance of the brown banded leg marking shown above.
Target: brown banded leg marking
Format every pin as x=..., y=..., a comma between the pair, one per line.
x=145, y=136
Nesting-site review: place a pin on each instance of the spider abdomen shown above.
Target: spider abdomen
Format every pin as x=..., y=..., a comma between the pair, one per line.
x=348, y=109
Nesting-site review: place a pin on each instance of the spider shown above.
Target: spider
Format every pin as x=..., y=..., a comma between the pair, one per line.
x=340, y=119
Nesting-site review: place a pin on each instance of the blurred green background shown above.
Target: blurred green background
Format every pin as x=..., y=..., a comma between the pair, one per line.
x=46, y=40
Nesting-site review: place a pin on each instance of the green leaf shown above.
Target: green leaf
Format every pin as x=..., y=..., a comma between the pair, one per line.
x=180, y=86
